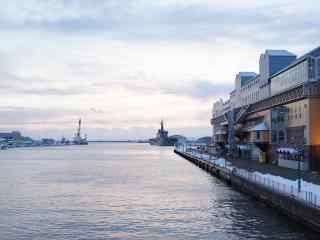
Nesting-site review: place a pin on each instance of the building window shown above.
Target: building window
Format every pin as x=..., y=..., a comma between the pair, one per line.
x=312, y=68
x=287, y=156
x=258, y=135
x=318, y=68
x=280, y=119
x=274, y=137
x=281, y=136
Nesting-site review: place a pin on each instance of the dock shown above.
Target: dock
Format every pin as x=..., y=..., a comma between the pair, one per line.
x=306, y=212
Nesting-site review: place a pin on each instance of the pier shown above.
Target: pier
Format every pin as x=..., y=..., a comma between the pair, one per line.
x=302, y=207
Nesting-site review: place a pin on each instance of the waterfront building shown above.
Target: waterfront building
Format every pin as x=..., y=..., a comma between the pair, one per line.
x=11, y=135
x=246, y=88
x=273, y=61
x=15, y=139
x=273, y=116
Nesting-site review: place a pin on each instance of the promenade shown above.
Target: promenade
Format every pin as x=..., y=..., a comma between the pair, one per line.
x=264, y=168
x=277, y=191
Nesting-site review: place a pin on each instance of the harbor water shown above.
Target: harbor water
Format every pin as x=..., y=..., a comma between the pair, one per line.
x=126, y=191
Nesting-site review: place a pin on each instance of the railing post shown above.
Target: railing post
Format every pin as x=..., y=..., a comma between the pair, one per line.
x=273, y=185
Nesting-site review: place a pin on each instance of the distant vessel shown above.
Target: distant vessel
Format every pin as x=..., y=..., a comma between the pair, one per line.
x=78, y=139
x=162, y=138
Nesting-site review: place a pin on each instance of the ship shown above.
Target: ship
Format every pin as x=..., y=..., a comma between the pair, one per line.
x=162, y=138
x=78, y=139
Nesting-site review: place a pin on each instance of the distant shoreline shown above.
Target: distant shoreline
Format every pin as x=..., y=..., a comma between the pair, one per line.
x=116, y=141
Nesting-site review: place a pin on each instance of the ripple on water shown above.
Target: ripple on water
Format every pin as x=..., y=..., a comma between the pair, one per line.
x=126, y=191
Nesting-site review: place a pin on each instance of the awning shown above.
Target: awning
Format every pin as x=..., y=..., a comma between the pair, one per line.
x=243, y=147
x=287, y=150
x=224, y=123
x=259, y=127
x=220, y=132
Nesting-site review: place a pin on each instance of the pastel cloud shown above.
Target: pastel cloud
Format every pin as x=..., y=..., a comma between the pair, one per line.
x=124, y=64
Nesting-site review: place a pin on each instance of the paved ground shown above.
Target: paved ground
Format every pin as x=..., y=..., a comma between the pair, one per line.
x=252, y=165
x=276, y=170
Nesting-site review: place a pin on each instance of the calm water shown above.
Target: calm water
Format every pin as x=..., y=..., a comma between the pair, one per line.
x=125, y=191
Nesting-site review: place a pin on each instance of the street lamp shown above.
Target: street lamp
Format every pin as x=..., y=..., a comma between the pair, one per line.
x=300, y=156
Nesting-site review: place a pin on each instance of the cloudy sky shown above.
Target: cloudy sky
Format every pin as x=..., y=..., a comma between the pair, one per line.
x=122, y=65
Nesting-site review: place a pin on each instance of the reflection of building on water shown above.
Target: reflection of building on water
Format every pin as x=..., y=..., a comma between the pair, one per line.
x=78, y=139
x=162, y=138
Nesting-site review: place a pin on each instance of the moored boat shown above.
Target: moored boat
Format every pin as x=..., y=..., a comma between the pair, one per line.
x=162, y=138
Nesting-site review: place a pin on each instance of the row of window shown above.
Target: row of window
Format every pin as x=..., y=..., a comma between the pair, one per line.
x=318, y=68
x=277, y=136
x=251, y=92
x=314, y=68
x=291, y=156
x=281, y=137
x=296, y=113
x=252, y=97
x=251, y=84
x=289, y=114
x=296, y=75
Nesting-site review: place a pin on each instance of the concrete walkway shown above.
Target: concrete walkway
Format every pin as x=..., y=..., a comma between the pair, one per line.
x=264, y=168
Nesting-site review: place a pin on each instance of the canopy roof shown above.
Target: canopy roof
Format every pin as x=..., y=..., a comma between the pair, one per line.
x=287, y=150
x=220, y=132
x=259, y=127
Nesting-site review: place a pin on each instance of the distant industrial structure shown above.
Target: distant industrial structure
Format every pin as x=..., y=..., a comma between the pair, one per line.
x=273, y=116
x=162, y=138
x=78, y=139
x=15, y=139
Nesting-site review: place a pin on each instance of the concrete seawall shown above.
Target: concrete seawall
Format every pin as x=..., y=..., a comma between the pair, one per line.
x=300, y=212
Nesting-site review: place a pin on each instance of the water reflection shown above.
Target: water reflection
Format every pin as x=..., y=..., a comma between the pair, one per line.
x=125, y=191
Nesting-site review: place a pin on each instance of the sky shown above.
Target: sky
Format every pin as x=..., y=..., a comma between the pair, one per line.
x=123, y=65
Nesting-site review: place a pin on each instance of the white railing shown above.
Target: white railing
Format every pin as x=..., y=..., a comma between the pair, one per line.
x=288, y=189
x=309, y=198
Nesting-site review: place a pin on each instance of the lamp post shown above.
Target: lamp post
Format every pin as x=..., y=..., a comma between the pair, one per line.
x=300, y=156
x=202, y=152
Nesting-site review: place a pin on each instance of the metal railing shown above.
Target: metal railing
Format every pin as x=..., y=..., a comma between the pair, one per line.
x=308, y=198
